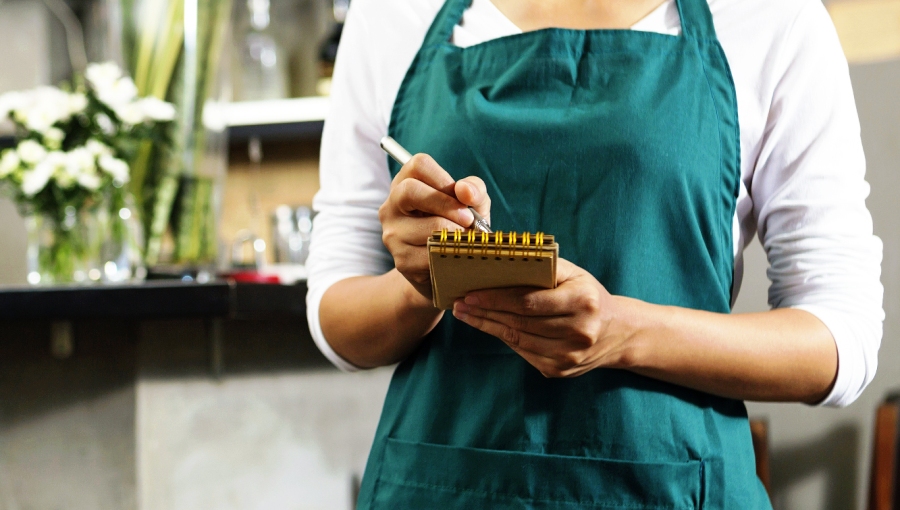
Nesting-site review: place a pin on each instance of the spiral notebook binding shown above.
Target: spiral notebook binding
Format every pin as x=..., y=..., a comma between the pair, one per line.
x=496, y=243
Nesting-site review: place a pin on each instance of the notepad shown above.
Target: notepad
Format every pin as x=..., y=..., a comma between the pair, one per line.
x=467, y=260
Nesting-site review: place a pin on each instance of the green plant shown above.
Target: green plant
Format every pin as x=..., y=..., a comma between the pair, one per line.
x=177, y=57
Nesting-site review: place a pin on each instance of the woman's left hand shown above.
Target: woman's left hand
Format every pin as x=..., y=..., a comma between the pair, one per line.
x=563, y=332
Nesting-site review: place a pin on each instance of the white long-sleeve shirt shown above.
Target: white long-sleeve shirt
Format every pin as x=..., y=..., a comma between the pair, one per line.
x=802, y=172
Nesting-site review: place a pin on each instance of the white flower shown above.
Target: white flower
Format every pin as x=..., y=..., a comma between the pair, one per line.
x=105, y=123
x=81, y=167
x=117, y=94
x=64, y=172
x=53, y=138
x=157, y=109
x=77, y=103
x=131, y=113
x=35, y=180
x=102, y=75
x=56, y=158
x=31, y=152
x=89, y=180
x=9, y=163
x=41, y=108
x=98, y=148
x=80, y=160
x=115, y=167
x=63, y=178
x=10, y=102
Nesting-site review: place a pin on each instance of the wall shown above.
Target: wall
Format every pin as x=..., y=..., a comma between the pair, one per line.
x=12, y=245
x=288, y=175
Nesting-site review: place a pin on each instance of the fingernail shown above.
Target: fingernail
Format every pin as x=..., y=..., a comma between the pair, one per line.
x=466, y=217
x=472, y=300
x=459, y=315
x=461, y=307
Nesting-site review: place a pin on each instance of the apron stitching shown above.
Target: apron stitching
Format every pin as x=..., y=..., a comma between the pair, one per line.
x=737, y=144
x=663, y=51
x=722, y=163
x=723, y=141
x=702, y=486
x=378, y=478
x=503, y=495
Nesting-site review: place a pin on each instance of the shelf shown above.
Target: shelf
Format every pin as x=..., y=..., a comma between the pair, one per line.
x=154, y=300
x=279, y=119
x=276, y=111
x=299, y=118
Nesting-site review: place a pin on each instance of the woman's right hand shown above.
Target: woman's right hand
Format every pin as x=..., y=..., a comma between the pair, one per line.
x=425, y=198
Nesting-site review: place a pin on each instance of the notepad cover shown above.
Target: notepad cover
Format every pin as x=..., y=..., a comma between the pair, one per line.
x=465, y=261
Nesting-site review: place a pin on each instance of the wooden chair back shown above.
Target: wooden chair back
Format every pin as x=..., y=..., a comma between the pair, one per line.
x=883, y=478
x=759, y=432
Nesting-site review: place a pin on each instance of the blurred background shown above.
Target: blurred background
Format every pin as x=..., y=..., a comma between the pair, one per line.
x=194, y=383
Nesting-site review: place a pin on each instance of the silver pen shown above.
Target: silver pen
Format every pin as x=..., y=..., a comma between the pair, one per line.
x=402, y=156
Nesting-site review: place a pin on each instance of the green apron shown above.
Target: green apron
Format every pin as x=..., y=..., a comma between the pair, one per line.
x=625, y=145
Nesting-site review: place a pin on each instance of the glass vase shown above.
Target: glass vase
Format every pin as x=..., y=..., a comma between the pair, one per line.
x=123, y=247
x=64, y=248
x=174, y=50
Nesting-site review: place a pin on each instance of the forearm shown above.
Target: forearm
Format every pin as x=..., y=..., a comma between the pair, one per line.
x=373, y=321
x=780, y=355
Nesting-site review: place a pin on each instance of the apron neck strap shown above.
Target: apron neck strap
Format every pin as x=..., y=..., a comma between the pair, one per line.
x=696, y=20
x=447, y=18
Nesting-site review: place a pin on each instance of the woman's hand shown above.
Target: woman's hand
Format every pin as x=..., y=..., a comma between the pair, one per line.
x=425, y=198
x=563, y=332
x=397, y=306
x=780, y=355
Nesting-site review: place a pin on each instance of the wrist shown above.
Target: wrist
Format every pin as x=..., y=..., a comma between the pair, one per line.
x=417, y=310
x=413, y=298
x=632, y=329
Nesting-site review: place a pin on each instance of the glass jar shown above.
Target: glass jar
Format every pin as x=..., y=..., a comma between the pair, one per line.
x=264, y=70
x=65, y=247
x=122, y=253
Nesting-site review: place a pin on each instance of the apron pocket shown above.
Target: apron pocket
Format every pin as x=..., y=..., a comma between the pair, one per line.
x=429, y=476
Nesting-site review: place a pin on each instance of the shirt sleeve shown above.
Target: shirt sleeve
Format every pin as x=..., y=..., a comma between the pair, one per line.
x=354, y=178
x=809, y=193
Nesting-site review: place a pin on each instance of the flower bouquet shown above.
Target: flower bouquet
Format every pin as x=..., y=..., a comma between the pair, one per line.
x=69, y=170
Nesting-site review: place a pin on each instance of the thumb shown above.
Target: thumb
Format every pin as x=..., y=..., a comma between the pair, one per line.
x=472, y=191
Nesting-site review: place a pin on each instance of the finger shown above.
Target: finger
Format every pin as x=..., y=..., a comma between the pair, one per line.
x=524, y=300
x=542, y=353
x=566, y=270
x=551, y=327
x=412, y=195
x=416, y=231
x=423, y=167
x=519, y=341
x=406, y=240
x=472, y=191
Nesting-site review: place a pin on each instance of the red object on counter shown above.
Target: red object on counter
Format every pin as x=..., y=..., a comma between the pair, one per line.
x=252, y=277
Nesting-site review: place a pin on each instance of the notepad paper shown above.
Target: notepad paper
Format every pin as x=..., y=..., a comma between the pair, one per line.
x=467, y=260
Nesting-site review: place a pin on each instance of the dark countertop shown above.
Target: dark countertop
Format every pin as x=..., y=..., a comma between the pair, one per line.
x=154, y=300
